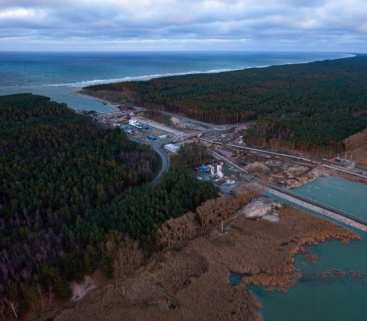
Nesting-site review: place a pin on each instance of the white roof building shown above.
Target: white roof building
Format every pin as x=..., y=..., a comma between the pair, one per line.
x=172, y=148
x=135, y=123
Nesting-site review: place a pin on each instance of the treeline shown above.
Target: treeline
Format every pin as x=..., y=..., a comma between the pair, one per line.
x=191, y=156
x=315, y=104
x=66, y=186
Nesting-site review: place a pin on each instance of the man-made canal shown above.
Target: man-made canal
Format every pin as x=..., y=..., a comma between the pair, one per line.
x=335, y=287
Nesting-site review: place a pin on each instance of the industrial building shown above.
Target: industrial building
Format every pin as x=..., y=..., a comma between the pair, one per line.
x=172, y=148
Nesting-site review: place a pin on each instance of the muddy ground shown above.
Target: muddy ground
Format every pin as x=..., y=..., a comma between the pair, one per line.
x=191, y=282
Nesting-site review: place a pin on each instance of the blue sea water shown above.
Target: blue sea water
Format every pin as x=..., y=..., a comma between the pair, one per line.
x=61, y=75
x=335, y=299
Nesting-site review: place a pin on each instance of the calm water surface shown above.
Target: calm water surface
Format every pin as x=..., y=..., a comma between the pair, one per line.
x=336, y=299
x=337, y=193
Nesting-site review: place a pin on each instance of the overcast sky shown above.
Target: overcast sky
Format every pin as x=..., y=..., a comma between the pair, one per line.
x=305, y=25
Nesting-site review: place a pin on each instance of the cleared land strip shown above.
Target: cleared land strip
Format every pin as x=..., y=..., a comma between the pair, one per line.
x=160, y=126
x=334, y=214
x=261, y=151
x=299, y=158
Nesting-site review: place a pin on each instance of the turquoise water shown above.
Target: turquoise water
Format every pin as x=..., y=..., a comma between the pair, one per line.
x=61, y=75
x=337, y=193
x=327, y=299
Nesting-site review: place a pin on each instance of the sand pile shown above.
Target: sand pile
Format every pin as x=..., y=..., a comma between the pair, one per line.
x=263, y=208
x=258, y=168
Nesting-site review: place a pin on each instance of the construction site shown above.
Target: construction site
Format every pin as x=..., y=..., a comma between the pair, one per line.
x=233, y=163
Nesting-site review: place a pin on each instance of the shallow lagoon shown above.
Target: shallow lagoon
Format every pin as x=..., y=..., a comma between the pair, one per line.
x=327, y=299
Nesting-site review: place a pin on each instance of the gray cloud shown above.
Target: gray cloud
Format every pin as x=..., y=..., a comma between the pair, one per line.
x=335, y=25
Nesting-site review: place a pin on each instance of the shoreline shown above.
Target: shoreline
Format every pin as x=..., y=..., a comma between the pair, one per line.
x=87, y=83
x=211, y=99
x=265, y=281
x=217, y=251
x=216, y=244
x=77, y=87
x=105, y=102
x=190, y=281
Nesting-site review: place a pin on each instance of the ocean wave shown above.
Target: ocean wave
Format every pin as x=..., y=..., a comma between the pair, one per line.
x=85, y=83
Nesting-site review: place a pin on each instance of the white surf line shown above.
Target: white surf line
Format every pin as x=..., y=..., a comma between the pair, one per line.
x=147, y=77
x=95, y=82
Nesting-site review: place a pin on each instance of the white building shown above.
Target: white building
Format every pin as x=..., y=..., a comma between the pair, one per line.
x=135, y=123
x=172, y=148
x=220, y=170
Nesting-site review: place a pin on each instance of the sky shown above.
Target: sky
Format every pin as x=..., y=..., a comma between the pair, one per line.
x=118, y=25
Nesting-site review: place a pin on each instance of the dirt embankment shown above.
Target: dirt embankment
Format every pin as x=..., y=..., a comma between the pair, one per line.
x=356, y=147
x=189, y=281
x=281, y=172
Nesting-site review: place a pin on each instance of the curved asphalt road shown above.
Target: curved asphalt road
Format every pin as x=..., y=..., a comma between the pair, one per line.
x=165, y=162
x=165, y=165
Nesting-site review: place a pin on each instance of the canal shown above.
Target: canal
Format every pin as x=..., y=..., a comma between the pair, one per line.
x=335, y=287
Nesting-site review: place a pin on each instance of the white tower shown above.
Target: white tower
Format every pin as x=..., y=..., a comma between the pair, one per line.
x=212, y=170
x=220, y=170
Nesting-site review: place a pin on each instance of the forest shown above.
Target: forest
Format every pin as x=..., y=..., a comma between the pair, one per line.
x=66, y=185
x=308, y=105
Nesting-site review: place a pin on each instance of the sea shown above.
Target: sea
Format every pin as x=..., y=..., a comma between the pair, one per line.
x=62, y=75
x=314, y=298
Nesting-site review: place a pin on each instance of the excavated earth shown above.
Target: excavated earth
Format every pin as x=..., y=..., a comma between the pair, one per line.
x=190, y=282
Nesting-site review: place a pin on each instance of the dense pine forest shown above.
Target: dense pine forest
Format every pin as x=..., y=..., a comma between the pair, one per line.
x=66, y=185
x=307, y=105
